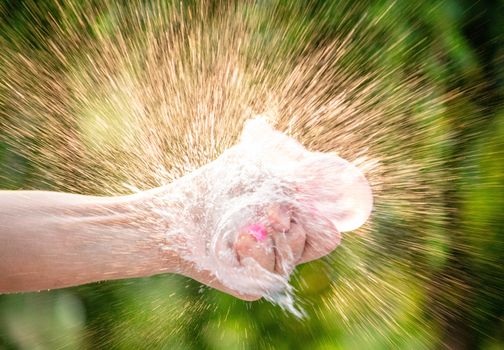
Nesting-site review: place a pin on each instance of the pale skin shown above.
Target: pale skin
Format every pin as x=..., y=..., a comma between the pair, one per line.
x=53, y=240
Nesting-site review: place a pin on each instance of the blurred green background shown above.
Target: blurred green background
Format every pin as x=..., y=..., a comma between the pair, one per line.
x=172, y=312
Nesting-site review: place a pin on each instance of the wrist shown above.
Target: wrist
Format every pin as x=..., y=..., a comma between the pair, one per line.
x=153, y=215
x=123, y=235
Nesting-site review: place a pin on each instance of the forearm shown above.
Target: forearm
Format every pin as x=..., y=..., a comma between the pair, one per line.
x=53, y=240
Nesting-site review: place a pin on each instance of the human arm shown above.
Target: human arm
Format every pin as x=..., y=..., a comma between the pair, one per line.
x=198, y=226
x=54, y=240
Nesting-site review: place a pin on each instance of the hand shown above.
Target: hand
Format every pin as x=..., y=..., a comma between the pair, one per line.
x=270, y=205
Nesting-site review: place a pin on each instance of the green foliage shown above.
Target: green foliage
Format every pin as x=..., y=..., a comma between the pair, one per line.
x=171, y=312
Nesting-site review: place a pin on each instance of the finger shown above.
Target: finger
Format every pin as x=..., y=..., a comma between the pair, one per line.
x=289, y=247
x=322, y=238
x=279, y=216
x=296, y=239
x=283, y=256
x=248, y=245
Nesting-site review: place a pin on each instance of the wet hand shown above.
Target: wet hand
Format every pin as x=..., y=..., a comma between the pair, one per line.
x=283, y=242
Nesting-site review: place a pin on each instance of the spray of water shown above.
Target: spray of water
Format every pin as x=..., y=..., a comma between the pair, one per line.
x=118, y=98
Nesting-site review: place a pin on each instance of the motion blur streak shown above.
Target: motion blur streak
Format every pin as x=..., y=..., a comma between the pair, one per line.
x=99, y=97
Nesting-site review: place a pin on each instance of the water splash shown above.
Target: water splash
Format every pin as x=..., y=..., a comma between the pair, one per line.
x=143, y=94
x=324, y=194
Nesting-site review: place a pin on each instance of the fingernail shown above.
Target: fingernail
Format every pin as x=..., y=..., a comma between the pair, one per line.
x=257, y=230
